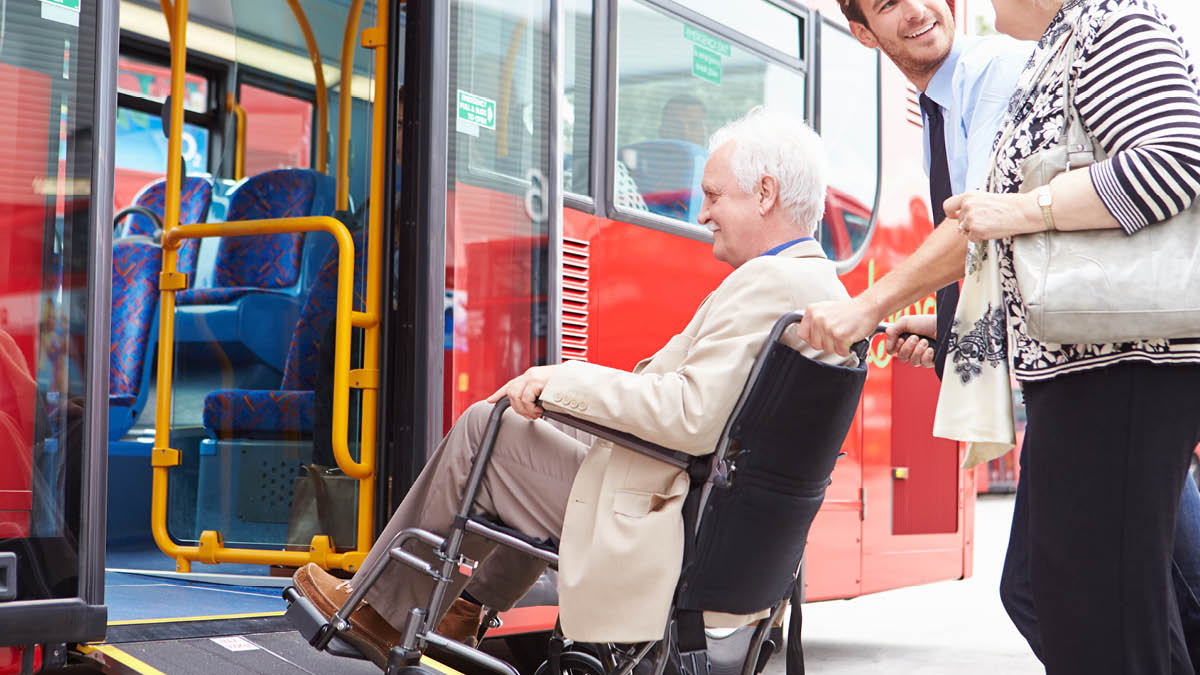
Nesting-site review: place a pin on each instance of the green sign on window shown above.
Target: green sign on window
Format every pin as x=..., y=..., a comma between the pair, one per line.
x=706, y=65
x=66, y=4
x=707, y=41
x=476, y=110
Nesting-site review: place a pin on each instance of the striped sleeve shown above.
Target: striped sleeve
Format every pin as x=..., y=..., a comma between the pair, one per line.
x=1136, y=95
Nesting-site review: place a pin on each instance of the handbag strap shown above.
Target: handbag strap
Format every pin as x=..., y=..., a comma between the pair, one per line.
x=1065, y=48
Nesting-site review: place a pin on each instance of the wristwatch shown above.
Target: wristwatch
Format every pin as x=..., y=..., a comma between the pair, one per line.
x=1045, y=200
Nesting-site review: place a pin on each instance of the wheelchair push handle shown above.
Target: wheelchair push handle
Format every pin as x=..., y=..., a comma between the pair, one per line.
x=796, y=317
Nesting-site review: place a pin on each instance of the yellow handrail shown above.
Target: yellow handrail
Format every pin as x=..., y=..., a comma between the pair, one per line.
x=375, y=38
x=239, y=142
x=211, y=548
x=168, y=12
x=314, y=54
x=344, y=102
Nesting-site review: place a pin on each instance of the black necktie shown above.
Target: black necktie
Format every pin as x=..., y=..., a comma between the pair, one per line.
x=939, y=192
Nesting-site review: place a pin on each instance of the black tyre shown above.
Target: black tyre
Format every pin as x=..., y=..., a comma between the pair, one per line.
x=575, y=663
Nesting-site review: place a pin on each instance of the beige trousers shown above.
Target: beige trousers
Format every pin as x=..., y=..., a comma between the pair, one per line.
x=526, y=487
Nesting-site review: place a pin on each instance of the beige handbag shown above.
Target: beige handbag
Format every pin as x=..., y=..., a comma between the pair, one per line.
x=1105, y=286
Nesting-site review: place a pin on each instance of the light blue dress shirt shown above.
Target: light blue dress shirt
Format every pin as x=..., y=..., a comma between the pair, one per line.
x=973, y=86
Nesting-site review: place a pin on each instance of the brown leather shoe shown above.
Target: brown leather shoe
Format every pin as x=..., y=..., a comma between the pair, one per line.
x=461, y=622
x=369, y=632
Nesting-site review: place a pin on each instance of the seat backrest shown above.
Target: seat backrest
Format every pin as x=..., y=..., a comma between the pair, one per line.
x=136, y=265
x=784, y=436
x=667, y=174
x=300, y=368
x=271, y=260
x=194, y=200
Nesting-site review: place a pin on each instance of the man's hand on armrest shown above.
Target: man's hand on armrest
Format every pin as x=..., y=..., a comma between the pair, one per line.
x=523, y=390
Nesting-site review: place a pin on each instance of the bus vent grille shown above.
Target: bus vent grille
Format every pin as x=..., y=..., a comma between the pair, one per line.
x=575, y=290
x=912, y=106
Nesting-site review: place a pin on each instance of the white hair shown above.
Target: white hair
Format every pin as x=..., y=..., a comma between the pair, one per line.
x=774, y=143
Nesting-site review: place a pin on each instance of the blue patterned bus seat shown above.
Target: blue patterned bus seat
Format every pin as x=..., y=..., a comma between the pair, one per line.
x=248, y=413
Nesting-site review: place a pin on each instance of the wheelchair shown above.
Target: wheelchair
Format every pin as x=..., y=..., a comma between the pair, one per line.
x=746, y=518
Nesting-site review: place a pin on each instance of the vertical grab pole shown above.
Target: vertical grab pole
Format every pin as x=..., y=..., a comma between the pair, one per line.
x=346, y=97
x=162, y=456
x=314, y=55
x=377, y=40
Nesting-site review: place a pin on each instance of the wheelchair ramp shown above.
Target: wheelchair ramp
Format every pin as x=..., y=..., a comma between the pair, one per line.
x=274, y=653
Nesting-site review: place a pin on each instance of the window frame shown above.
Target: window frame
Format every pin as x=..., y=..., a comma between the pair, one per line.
x=605, y=167
x=820, y=25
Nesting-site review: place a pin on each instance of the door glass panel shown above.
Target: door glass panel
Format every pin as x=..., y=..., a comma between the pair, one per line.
x=47, y=71
x=252, y=381
x=676, y=84
x=850, y=127
x=496, y=246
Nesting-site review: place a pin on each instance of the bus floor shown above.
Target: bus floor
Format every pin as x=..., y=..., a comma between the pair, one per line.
x=225, y=619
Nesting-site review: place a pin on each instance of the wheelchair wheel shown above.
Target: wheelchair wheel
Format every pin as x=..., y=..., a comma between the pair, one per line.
x=574, y=663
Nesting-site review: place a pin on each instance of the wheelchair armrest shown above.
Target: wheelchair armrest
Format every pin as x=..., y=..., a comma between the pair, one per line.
x=675, y=458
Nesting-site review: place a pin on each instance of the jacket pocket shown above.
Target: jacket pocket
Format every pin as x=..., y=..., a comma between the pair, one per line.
x=639, y=503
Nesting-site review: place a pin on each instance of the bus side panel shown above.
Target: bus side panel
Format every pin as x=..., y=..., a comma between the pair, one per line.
x=22, y=223
x=645, y=285
x=936, y=546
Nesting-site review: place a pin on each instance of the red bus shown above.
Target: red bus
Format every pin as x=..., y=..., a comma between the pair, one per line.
x=542, y=206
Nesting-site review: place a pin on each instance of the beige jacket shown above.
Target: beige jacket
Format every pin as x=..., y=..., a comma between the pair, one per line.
x=622, y=542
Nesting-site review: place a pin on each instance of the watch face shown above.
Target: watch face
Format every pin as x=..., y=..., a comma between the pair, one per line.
x=1044, y=198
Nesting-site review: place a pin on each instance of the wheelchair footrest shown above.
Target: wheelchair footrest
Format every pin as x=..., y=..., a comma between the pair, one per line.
x=303, y=615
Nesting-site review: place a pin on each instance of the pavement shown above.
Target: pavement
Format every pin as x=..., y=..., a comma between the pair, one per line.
x=951, y=627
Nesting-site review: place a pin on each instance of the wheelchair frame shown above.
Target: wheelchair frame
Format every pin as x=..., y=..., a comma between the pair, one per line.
x=713, y=470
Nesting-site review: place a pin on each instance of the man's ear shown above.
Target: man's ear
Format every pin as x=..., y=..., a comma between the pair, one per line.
x=768, y=194
x=863, y=35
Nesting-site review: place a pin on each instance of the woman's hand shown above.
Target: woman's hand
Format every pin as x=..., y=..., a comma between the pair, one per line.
x=983, y=215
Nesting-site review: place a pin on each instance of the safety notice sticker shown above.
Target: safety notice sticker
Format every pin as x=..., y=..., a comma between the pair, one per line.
x=476, y=110
x=706, y=65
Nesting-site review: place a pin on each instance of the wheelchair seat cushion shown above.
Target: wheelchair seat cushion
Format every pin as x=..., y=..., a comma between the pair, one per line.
x=253, y=413
x=544, y=544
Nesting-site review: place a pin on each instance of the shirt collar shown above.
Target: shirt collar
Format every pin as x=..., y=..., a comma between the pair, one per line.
x=941, y=86
x=784, y=246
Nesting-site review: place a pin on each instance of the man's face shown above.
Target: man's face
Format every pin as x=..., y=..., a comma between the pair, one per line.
x=915, y=34
x=730, y=213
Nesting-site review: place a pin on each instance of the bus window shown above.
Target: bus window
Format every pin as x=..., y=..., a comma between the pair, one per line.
x=577, y=92
x=850, y=126
x=141, y=152
x=279, y=130
x=676, y=85
x=153, y=82
x=770, y=24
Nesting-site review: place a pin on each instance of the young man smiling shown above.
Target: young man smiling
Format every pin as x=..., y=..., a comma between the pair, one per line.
x=965, y=83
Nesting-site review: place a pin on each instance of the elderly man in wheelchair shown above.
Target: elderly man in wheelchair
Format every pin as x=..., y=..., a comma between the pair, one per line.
x=677, y=499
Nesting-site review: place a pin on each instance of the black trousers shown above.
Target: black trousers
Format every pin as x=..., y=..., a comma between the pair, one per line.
x=1109, y=453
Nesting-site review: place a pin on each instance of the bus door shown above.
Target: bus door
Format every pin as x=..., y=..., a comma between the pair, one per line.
x=57, y=71
x=258, y=428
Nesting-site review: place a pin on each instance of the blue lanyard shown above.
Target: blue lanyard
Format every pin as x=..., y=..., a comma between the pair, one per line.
x=786, y=245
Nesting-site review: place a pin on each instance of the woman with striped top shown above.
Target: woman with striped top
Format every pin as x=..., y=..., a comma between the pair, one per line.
x=1111, y=426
